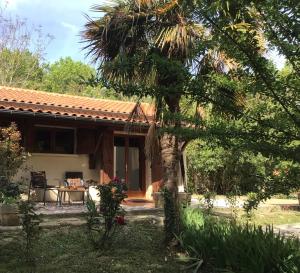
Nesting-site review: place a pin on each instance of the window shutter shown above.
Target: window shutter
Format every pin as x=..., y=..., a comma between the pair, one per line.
x=107, y=150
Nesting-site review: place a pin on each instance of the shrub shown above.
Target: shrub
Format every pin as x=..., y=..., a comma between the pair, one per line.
x=9, y=191
x=213, y=168
x=30, y=226
x=12, y=158
x=228, y=246
x=102, y=223
x=208, y=200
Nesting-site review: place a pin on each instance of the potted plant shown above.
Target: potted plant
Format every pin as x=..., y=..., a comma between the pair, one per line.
x=12, y=158
x=9, y=195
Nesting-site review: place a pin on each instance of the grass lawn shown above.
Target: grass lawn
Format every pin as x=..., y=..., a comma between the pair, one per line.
x=268, y=214
x=138, y=247
x=265, y=216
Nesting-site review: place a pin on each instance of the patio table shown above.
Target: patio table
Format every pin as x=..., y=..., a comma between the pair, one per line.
x=61, y=193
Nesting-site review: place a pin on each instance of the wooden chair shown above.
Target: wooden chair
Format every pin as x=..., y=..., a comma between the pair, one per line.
x=39, y=181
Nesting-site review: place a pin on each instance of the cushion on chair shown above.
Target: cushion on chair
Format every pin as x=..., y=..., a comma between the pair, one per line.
x=74, y=179
x=75, y=182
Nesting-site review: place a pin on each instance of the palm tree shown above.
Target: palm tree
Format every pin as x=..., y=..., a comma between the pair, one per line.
x=147, y=48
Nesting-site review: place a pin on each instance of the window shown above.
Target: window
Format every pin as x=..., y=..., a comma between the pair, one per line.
x=64, y=142
x=43, y=140
x=54, y=140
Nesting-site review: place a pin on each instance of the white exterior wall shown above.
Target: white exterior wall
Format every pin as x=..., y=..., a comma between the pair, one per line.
x=148, y=180
x=55, y=166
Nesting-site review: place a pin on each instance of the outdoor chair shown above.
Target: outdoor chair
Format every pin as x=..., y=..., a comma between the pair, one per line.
x=39, y=181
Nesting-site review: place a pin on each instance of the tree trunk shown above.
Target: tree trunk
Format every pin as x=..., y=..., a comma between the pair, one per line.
x=170, y=161
x=170, y=155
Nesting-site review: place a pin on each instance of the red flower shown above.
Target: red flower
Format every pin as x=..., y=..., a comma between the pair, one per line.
x=120, y=220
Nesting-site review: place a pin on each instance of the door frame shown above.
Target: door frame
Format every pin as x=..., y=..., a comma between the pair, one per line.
x=142, y=163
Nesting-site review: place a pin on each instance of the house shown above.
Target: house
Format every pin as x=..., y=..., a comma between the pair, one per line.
x=98, y=137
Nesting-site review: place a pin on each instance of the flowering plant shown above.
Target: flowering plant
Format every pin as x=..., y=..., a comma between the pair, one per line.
x=111, y=197
x=12, y=158
x=110, y=214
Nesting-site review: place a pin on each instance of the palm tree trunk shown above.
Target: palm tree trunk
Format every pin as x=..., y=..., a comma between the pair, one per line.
x=170, y=156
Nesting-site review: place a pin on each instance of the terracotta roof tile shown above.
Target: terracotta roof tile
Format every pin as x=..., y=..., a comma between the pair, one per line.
x=17, y=99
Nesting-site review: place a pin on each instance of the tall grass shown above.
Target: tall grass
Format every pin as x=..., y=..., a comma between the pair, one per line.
x=230, y=247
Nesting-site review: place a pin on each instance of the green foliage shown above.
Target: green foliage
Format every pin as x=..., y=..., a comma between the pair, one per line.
x=9, y=191
x=232, y=201
x=30, y=227
x=229, y=247
x=260, y=130
x=192, y=218
x=67, y=76
x=102, y=224
x=11, y=152
x=27, y=73
x=212, y=167
x=215, y=57
x=22, y=50
x=12, y=158
x=244, y=28
x=209, y=198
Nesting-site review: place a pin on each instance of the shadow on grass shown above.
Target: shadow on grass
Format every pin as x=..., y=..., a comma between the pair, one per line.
x=137, y=247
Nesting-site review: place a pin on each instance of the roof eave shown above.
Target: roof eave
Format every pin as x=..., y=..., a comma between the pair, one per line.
x=50, y=115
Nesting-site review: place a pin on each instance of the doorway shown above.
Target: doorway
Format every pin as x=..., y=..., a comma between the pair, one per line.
x=129, y=162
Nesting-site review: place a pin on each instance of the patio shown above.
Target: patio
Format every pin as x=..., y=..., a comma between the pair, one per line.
x=77, y=208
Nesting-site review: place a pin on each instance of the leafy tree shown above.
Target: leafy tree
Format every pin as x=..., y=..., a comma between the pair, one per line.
x=20, y=69
x=161, y=49
x=74, y=77
x=243, y=30
x=249, y=105
x=212, y=168
x=268, y=122
x=22, y=50
x=67, y=76
x=145, y=49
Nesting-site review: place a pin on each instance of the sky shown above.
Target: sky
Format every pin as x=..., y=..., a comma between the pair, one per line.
x=64, y=19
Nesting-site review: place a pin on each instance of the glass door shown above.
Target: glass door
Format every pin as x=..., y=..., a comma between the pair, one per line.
x=119, y=158
x=127, y=160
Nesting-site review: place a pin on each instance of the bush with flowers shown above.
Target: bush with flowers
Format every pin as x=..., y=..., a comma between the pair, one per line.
x=12, y=158
x=102, y=223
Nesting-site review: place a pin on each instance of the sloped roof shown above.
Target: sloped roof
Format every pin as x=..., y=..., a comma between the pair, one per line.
x=17, y=99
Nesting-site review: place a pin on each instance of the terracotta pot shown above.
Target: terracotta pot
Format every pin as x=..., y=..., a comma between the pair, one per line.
x=9, y=215
x=184, y=198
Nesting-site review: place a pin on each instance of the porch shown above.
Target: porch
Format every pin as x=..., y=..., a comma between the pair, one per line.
x=77, y=209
